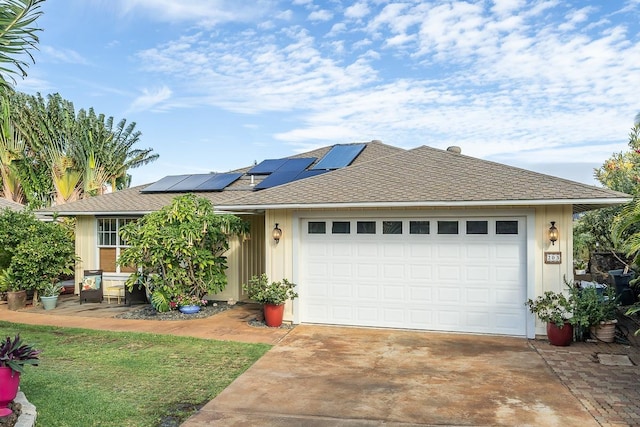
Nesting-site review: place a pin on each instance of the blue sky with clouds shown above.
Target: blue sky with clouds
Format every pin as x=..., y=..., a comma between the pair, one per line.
x=213, y=85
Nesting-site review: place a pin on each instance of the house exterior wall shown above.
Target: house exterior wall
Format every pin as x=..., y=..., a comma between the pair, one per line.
x=245, y=258
x=280, y=257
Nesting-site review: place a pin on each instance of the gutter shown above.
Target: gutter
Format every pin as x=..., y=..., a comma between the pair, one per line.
x=420, y=204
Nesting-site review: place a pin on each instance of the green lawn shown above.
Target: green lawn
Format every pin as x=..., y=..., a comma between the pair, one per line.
x=95, y=378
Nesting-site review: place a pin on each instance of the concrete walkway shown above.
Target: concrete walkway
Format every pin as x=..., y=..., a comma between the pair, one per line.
x=230, y=325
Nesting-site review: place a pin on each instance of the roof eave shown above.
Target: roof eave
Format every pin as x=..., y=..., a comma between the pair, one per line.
x=429, y=204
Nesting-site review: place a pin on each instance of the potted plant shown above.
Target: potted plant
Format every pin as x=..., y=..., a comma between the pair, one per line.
x=16, y=297
x=272, y=295
x=14, y=355
x=580, y=267
x=556, y=310
x=49, y=295
x=595, y=310
x=187, y=304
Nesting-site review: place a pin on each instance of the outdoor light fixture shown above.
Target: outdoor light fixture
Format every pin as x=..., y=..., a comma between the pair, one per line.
x=553, y=233
x=277, y=233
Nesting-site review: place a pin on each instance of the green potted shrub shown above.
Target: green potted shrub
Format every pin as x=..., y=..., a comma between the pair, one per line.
x=272, y=295
x=49, y=295
x=556, y=310
x=595, y=309
x=580, y=267
x=14, y=355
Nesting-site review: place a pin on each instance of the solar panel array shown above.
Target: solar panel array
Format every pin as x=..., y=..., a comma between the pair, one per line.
x=198, y=182
x=278, y=171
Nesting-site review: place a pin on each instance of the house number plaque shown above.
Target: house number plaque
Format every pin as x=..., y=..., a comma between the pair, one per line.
x=553, y=257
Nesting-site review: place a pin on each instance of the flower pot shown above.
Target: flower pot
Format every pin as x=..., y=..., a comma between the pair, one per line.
x=16, y=300
x=560, y=336
x=580, y=272
x=273, y=315
x=49, y=303
x=605, y=331
x=9, y=382
x=189, y=309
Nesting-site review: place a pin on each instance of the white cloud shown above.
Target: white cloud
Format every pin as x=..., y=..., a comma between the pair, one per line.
x=206, y=13
x=68, y=56
x=357, y=11
x=320, y=15
x=492, y=78
x=150, y=99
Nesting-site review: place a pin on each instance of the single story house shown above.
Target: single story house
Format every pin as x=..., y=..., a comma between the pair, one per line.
x=375, y=235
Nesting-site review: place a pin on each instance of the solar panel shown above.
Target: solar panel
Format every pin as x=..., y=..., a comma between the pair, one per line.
x=266, y=167
x=275, y=179
x=279, y=178
x=340, y=156
x=219, y=182
x=164, y=184
x=190, y=183
x=310, y=173
x=296, y=165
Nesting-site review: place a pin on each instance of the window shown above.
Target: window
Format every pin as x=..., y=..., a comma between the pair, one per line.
x=418, y=227
x=317, y=227
x=506, y=227
x=110, y=244
x=341, y=227
x=392, y=227
x=366, y=227
x=447, y=227
x=477, y=227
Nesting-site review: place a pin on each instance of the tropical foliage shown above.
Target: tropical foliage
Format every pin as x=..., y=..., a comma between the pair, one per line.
x=36, y=253
x=179, y=250
x=15, y=354
x=621, y=172
x=52, y=155
x=17, y=37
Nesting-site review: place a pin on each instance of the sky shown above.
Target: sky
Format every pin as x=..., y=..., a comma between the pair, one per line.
x=214, y=85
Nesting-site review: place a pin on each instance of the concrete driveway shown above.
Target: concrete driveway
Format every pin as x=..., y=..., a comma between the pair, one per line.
x=338, y=376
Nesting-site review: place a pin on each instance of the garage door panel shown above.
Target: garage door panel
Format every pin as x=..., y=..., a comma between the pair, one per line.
x=367, y=249
x=417, y=272
x=420, y=294
x=478, y=296
x=455, y=283
x=393, y=271
x=341, y=270
x=393, y=250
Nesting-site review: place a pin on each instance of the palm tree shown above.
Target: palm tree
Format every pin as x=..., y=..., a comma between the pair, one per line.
x=17, y=36
x=11, y=151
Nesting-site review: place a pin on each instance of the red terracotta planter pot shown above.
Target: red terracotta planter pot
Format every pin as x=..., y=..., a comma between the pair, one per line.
x=9, y=382
x=561, y=337
x=273, y=315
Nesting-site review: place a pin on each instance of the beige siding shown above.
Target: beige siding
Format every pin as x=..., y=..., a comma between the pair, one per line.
x=245, y=258
x=86, y=245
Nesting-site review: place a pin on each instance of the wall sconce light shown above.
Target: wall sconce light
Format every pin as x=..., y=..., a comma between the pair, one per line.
x=553, y=233
x=277, y=233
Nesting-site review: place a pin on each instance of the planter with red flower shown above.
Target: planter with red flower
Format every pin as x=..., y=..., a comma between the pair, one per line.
x=272, y=295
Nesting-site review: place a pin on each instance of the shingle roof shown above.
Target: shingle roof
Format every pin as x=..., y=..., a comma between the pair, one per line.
x=4, y=203
x=131, y=201
x=428, y=176
x=381, y=175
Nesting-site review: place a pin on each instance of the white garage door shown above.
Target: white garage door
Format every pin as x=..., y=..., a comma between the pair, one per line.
x=464, y=275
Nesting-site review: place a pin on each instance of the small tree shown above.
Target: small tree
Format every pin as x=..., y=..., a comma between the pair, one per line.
x=179, y=250
x=34, y=253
